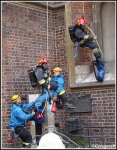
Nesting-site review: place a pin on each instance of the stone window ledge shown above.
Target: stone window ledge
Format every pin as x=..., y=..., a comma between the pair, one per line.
x=92, y=84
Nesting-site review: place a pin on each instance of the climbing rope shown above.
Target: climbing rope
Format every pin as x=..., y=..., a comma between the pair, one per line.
x=47, y=29
x=95, y=40
x=91, y=30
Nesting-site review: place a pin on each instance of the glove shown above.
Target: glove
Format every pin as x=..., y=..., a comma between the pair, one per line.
x=55, y=98
x=49, y=72
x=33, y=112
x=95, y=37
x=35, y=100
x=48, y=87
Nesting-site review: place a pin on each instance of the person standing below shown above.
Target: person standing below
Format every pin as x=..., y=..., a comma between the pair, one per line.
x=18, y=118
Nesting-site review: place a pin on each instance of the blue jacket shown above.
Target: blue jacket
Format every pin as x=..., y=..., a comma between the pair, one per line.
x=60, y=80
x=18, y=117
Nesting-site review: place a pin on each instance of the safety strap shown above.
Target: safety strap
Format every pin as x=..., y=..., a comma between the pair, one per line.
x=47, y=102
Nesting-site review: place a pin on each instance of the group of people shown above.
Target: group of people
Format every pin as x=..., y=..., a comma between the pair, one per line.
x=52, y=84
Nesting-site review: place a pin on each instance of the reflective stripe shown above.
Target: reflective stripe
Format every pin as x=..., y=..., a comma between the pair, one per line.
x=45, y=75
x=63, y=91
x=49, y=78
x=95, y=51
x=42, y=82
x=86, y=37
x=26, y=143
x=82, y=42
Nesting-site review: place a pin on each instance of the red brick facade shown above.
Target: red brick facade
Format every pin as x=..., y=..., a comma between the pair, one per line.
x=24, y=41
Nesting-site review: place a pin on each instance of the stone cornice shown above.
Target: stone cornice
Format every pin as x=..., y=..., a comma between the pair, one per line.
x=41, y=6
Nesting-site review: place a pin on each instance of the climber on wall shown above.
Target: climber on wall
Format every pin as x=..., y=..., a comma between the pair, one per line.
x=18, y=118
x=60, y=94
x=40, y=78
x=44, y=80
x=80, y=38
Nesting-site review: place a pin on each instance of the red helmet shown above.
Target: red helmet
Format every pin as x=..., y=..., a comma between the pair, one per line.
x=81, y=21
x=42, y=60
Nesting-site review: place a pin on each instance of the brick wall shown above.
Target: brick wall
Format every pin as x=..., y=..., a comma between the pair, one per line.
x=24, y=41
x=24, y=34
x=103, y=114
x=103, y=104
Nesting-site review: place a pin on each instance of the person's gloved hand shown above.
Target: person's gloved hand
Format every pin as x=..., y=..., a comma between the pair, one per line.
x=35, y=100
x=49, y=72
x=48, y=87
x=55, y=98
x=95, y=37
x=33, y=112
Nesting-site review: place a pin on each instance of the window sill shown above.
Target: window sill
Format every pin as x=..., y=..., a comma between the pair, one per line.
x=93, y=84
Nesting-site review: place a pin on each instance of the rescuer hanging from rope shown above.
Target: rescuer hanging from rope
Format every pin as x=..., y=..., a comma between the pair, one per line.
x=78, y=35
x=39, y=78
x=60, y=93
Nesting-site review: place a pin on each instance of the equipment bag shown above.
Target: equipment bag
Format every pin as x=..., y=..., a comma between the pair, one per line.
x=39, y=116
x=72, y=33
x=10, y=136
x=32, y=77
x=54, y=107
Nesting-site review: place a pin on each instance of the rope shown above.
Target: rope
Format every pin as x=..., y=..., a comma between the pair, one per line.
x=55, y=44
x=83, y=10
x=47, y=101
x=91, y=30
x=47, y=29
x=95, y=40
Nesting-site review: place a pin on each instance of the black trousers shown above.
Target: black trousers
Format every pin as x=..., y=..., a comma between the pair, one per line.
x=62, y=97
x=91, y=44
x=25, y=136
x=38, y=130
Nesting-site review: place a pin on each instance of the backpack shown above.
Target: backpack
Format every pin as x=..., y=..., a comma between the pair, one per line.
x=33, y=79
x=39, y=116
x=72, y=33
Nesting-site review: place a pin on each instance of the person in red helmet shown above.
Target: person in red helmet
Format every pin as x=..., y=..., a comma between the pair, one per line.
x=41, y=72
x=40, y=78
x=80, y=38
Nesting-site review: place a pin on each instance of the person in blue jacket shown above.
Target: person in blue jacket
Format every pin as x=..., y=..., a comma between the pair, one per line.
x=59, y=93
x=18, y=118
